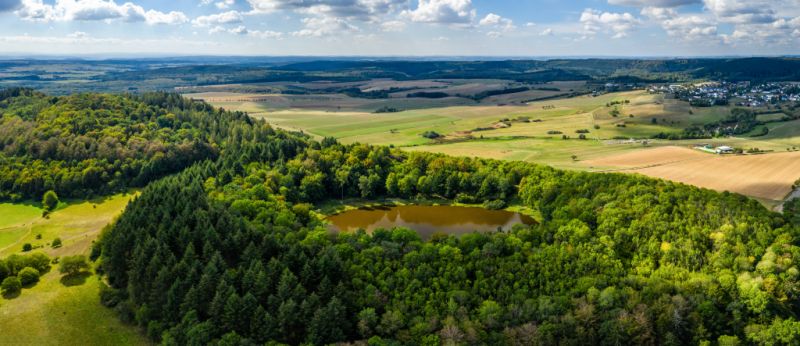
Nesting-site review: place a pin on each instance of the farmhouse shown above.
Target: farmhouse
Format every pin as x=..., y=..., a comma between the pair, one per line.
x=724, y=150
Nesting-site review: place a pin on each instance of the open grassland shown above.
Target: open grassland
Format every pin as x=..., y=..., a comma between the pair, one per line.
x=550, y=151
x=57, y=311
x=63, y=313
x=77, y=224
x=255, y=103
x=405, y=128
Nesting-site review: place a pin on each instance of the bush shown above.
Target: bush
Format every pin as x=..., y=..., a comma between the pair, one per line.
x=431, y=134
x=11, y=285
x=56, y=243
x=465, y=198
x=50, y=200
x=27, y=247
x=28, y=276
x=496, y=204
x=72, y=265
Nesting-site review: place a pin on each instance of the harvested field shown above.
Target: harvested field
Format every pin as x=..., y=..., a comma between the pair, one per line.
x=768, y=176
x=650, y=157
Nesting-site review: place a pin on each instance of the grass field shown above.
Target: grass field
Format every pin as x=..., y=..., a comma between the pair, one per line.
x=405, y=128
x=54, y=312
x=76, y=223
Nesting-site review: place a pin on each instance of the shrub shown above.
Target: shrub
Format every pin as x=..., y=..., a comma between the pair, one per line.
x=496, y=204
x=11, y=285
x=56, y=243
x=27, y=247
x=38, y=261
x=465, y=198
x=431, y=134
x=28, y=276
x=50, y=200
x=72, y=265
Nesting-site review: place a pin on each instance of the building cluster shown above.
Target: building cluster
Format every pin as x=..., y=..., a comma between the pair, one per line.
x=743, y=94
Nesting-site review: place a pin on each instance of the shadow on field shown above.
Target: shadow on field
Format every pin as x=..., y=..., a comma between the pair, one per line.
x=75, y=279
x=12, y=295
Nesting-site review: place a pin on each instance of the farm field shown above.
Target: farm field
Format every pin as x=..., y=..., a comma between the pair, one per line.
x=456, y=122
x=52, y=311
x=768, y=176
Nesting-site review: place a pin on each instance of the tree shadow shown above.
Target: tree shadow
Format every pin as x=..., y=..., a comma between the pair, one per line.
x=12, y=295
x=30, y=285
x=75, y=279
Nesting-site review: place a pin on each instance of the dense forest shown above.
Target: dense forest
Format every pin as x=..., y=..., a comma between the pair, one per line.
x=231, y=251
x=88, y=144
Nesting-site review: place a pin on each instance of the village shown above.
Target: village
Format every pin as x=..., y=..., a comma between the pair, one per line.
x=744, y=94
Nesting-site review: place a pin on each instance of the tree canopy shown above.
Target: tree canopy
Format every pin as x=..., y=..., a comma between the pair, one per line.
x=229, y=250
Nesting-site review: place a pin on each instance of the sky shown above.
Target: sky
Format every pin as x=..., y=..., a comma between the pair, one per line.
x=525, y=28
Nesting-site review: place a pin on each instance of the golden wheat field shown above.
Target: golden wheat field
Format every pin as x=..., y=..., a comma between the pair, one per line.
x=766, y=176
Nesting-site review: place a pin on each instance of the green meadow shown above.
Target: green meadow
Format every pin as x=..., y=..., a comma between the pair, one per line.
x=55, y=311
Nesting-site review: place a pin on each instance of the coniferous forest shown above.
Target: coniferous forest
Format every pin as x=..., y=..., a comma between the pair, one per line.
x=224, y=244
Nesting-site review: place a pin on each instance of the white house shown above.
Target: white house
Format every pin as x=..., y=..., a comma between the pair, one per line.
x=724, y=150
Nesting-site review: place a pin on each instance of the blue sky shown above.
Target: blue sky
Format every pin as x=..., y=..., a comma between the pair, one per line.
x=401, y=27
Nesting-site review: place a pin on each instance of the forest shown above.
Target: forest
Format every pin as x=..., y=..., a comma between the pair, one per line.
x=231, y=251
x=225, y=245
x=97, y=144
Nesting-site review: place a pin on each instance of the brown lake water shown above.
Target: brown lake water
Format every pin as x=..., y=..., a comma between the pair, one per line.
x=426, y=220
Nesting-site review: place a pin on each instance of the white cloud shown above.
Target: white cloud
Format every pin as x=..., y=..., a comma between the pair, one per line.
x=265, y=34
x=782, y=32
x=153, y=17
x=225, y=4
x=361, y=9
x=653, y=3
x=241, y=30
x=94, y=10
x=494, y=20
x=230, y=17
x=741, y=11
x=493, y=34
x=691, y=28
x=442, y=12
x=324, y=26
x=659, y=13
x=617, y=24
x=546, y=32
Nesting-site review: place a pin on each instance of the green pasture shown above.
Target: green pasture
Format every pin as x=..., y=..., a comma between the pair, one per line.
x=57, y=311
